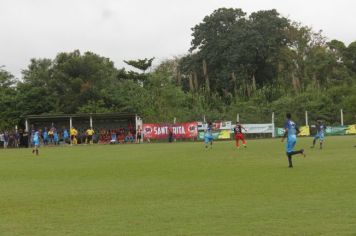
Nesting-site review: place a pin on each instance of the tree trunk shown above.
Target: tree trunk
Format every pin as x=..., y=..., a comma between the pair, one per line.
x=253, y=83
x=191, y=85
x=206, y=77
x=196, y=84
x=179, y=78
x=234, y=81
x=295, y=83
x=316, y=82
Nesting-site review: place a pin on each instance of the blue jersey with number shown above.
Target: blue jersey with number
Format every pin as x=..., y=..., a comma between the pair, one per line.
x=292, y=128
x=291, y=135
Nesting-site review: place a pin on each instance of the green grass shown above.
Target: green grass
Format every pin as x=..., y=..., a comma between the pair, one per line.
x=179, y=189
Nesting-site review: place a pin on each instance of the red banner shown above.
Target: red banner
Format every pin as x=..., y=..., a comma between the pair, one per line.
x=180, y=130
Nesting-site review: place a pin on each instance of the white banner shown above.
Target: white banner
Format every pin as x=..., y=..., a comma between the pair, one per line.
x=251, y=128
x=258, y=128
x=219, y=125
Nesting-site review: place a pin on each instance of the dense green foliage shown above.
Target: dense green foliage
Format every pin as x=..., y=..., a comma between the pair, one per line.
x=179, y=189
x=238, y=63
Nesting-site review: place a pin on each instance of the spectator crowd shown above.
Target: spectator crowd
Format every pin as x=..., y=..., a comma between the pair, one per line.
x=53, y=136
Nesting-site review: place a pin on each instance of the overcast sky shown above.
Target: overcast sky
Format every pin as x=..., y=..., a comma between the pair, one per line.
x=131, y=29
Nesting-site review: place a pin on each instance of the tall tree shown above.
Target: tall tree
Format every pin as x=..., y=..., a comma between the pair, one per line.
x=9, y=112
x=71, y=80
x=229, y=42
x=350, y=57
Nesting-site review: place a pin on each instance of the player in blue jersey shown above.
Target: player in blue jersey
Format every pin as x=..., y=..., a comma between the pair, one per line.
x=208, y=135
x=31, y=137
x=65, y=135
x=291, y=131
x=320, y=128
x=36, y=142
x=55, y=137
x=45, y=136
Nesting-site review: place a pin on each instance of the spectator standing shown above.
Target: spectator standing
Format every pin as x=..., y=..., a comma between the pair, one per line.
x=25, y=139
x=17, y=139
x=139, y=134
x=21, y=140
x=170, y=134
x=6, y=139
x=2, y=139
x=51, y=136
x=55, y=137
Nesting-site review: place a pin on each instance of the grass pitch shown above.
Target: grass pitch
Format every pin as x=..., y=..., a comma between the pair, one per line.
x=180, y=189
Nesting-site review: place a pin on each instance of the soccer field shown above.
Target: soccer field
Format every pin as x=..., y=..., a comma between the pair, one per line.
x=180, y=189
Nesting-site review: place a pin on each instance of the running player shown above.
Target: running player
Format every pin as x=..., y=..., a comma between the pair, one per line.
x=320, y=127
x=291, y=131
x=239, y=135
x=36, y=142
x=208, y=135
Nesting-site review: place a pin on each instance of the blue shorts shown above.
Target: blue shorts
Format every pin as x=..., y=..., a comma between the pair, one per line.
x=208, y=138
x=291, y=141
x=319, y=136
x=36, y=143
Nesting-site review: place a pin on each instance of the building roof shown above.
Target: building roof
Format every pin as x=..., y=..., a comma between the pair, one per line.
x=82, y=115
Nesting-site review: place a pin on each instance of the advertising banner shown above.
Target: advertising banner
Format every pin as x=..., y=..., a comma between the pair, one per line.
x=279, y=132
x=351, y=129
x=218, y=125
x=222, y=125
x=180, y=130
x=218, y=134
x=335, y=130
x=258, y=128
x=224, y=134
x=304, y=131
x=330, y=130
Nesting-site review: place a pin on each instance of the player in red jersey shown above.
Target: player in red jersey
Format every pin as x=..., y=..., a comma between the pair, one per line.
x=239, y=135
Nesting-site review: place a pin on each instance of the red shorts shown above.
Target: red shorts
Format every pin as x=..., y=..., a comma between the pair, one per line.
x=239, y=136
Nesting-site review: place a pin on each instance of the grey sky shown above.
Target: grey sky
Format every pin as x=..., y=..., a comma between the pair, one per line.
x=131, y=29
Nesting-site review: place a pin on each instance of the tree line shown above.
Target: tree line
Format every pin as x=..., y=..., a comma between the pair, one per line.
x=238, y=63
